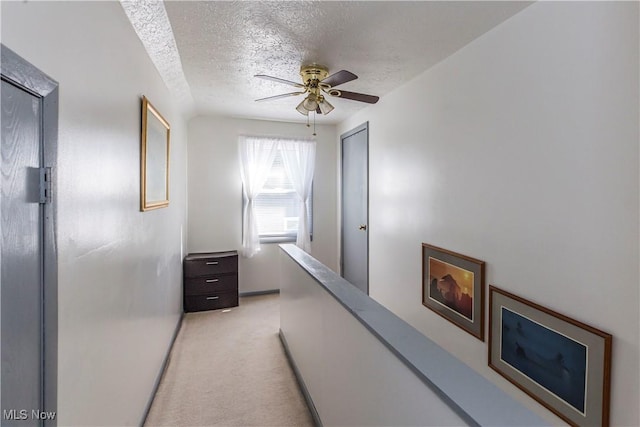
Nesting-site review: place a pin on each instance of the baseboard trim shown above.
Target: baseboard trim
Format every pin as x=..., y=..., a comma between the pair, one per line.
x=256, y=293
x=301, y=384
x=163, y=368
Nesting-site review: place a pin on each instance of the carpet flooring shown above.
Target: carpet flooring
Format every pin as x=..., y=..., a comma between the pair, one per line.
x=229, y=369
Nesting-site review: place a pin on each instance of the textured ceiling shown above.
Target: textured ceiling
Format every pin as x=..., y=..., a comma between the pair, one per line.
x=222, y=45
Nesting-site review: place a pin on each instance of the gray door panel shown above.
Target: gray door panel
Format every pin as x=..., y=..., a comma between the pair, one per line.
x=28, y=255
x=355, y=207
x=21, y=254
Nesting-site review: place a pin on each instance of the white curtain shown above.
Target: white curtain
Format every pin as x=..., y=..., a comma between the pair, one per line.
x=299, y=161
x=256, y=159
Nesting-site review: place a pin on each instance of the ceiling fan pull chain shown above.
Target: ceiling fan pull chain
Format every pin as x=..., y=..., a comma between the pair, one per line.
x=308, y=121
x=314, y=122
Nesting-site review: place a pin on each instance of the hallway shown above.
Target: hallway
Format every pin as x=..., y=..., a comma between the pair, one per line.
x=506, y=132
x=228, y=368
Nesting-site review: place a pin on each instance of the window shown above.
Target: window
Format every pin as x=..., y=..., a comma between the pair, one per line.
x=277, y=174
x=276, y=207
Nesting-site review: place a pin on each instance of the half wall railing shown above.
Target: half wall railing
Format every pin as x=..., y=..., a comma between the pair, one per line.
x=360, y=364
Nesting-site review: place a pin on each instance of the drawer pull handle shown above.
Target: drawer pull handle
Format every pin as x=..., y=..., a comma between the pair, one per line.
x=213, y=280
x=212, y=298
x=213, y=263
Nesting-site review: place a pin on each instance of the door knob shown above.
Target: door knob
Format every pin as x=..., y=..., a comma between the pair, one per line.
x=363, y=227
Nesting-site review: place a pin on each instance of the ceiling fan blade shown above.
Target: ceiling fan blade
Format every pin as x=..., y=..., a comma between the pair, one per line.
x=369, y=99
x=284, y=95
x=339, y=78
x=276, y=79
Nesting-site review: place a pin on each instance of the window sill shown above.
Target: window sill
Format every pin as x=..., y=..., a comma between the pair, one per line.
x=277, y=239
x=280, y=239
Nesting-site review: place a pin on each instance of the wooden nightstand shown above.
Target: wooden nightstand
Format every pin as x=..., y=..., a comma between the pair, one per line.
x=210, y=281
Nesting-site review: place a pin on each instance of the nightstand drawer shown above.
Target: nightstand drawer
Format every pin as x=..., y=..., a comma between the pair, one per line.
x=207, y=284
x=210, y=266
x=210, y=302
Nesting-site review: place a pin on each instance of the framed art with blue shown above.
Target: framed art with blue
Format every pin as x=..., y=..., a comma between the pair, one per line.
x=562, y=363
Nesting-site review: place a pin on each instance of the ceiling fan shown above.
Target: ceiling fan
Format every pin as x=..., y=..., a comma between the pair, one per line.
x=315, y=83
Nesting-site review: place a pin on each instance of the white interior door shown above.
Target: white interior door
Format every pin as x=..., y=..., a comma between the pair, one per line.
x=355, y=207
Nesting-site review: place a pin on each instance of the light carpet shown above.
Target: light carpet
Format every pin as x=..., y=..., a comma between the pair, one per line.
x=229, y=369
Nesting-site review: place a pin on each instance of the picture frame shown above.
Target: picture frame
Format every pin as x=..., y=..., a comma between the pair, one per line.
x=453, y=287
x=562, y=363
x=154, y=158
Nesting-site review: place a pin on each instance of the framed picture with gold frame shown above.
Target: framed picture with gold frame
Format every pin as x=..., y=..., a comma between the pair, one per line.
x=453, y=287
x=154, y=158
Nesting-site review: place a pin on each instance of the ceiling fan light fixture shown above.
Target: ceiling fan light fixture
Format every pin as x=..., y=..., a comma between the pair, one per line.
x=310, y=103
x=325, y=107
x=301, y=108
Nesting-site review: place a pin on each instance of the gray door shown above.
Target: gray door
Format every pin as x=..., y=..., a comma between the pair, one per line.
x=27, y=301
x=355, y=207
x=21, y=255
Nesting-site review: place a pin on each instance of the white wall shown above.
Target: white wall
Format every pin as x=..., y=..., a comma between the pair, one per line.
x=119, y=268
x=351, y=376
x=215, y=194
x=521, y=150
